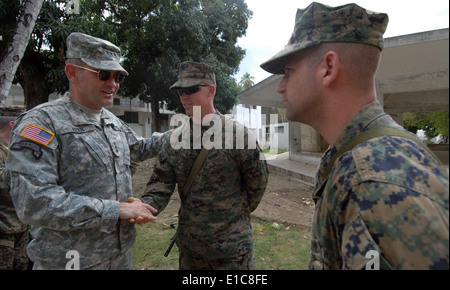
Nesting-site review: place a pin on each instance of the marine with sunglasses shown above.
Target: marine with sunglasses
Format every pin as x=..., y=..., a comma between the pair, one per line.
x=70, y=172
x=214, y=230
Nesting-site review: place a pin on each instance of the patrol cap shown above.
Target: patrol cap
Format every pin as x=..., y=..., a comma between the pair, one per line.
x=96, y=52
x=320, y=23
x=194, y=73
x=13, y=111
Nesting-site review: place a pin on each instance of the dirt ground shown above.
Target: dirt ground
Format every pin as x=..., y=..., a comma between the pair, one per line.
x=286, y=200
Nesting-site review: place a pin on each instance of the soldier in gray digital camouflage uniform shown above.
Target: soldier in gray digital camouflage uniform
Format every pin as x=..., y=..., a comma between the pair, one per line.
x=214, y=230
x=70, y=161
x=14, y=236
x=386, y=200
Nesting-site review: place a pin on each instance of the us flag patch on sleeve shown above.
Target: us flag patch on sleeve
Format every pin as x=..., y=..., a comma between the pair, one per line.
x=37, y=134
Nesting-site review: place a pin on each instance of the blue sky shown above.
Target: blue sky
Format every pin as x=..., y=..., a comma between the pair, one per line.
x=273, y=22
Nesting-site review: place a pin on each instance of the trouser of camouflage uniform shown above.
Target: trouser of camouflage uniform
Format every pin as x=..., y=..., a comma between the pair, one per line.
x=13, y=251
x=187, y=261
x=122, y=261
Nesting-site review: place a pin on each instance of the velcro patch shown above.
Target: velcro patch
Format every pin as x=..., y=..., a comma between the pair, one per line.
x=36, y=149
x=37, y=134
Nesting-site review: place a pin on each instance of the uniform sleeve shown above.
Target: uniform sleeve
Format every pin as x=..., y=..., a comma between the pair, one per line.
x=4, y=187
x=255, y=175
x=162, y=183
x=3, y=176
x=407, y=229
x=144, y=148
x=37, y=197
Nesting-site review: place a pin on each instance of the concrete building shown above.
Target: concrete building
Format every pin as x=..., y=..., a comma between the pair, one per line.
x=413, y=77
x=136, y=113
x=270, y=134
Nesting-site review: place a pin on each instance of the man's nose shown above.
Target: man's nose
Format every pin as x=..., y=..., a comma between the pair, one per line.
x=282, y=86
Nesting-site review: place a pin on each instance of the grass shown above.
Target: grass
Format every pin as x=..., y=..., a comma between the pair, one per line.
x=286, y=248
x=151, y=244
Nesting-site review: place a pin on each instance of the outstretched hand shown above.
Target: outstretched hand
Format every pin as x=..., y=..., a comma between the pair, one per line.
x=137, y=212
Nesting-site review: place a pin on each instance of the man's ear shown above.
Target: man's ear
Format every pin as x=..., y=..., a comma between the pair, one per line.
x=212, y=90
x=70, y=72
x=329, y=68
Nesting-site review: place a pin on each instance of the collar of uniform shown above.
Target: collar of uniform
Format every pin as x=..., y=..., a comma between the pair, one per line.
x=77, y=115
x=360, y=122
x=3, y=143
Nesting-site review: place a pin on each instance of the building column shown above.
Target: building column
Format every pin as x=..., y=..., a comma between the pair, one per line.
x=380, y=94
x=147, y=128
x=295, y=144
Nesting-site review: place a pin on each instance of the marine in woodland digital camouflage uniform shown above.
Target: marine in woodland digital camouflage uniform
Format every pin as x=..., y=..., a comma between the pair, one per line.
x=69, y=171
x=387, y=194
x=214, y=230
x=14, y=235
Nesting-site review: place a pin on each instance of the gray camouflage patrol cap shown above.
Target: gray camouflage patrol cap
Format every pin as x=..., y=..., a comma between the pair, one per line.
x=96, y=52
x=194, y=73
x=320, y=23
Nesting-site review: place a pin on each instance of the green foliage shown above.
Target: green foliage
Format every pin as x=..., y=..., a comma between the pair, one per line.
x=46, y=49
x=161, y=34
x=286, y=248
x=246, y=82
x=433, y=123
x=440, y=121
x=154, y=35
x=9, y=11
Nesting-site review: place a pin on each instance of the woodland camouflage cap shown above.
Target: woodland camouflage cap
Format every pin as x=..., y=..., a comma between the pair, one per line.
x=193, y=73
x=95, y=52
x=14, y=111
x=320, y=23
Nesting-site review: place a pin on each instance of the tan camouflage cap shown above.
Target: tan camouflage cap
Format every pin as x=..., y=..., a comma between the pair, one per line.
x=194, y=73
x=95, y=52
x=320, y=23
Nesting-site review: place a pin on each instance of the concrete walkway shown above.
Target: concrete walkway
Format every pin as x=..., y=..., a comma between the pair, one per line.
x=303, y=171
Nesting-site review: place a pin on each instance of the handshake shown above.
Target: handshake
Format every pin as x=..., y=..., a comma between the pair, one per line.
x=137, y=212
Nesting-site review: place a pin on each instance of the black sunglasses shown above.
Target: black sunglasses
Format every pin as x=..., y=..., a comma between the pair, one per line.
x=190, y=90
x=104, y=75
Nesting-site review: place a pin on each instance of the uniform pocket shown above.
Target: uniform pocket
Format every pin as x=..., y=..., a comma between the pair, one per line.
x=84, y=145
x=315, y=260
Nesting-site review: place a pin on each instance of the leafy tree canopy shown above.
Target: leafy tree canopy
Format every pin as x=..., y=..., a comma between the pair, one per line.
x=162, y=34
x=246, y=82
x=154, y=35
x=433, y=123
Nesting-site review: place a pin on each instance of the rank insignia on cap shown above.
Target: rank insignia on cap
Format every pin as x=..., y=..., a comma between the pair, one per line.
x=37, y=134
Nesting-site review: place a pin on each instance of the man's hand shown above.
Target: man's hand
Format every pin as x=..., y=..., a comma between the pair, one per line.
x=137, y=212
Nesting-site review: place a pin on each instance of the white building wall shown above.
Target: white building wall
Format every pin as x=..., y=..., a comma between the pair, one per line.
x=275, y=136
x=249, y=117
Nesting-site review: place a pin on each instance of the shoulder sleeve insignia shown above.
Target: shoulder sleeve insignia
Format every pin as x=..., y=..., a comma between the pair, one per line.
x=36, y=149
x=37, y=134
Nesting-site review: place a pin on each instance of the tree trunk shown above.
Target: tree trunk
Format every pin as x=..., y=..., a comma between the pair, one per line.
x=31, y=76
x=16, y=46
x=156, y=124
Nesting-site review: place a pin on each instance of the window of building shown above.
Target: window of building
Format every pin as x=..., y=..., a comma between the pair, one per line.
x=131, y=117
